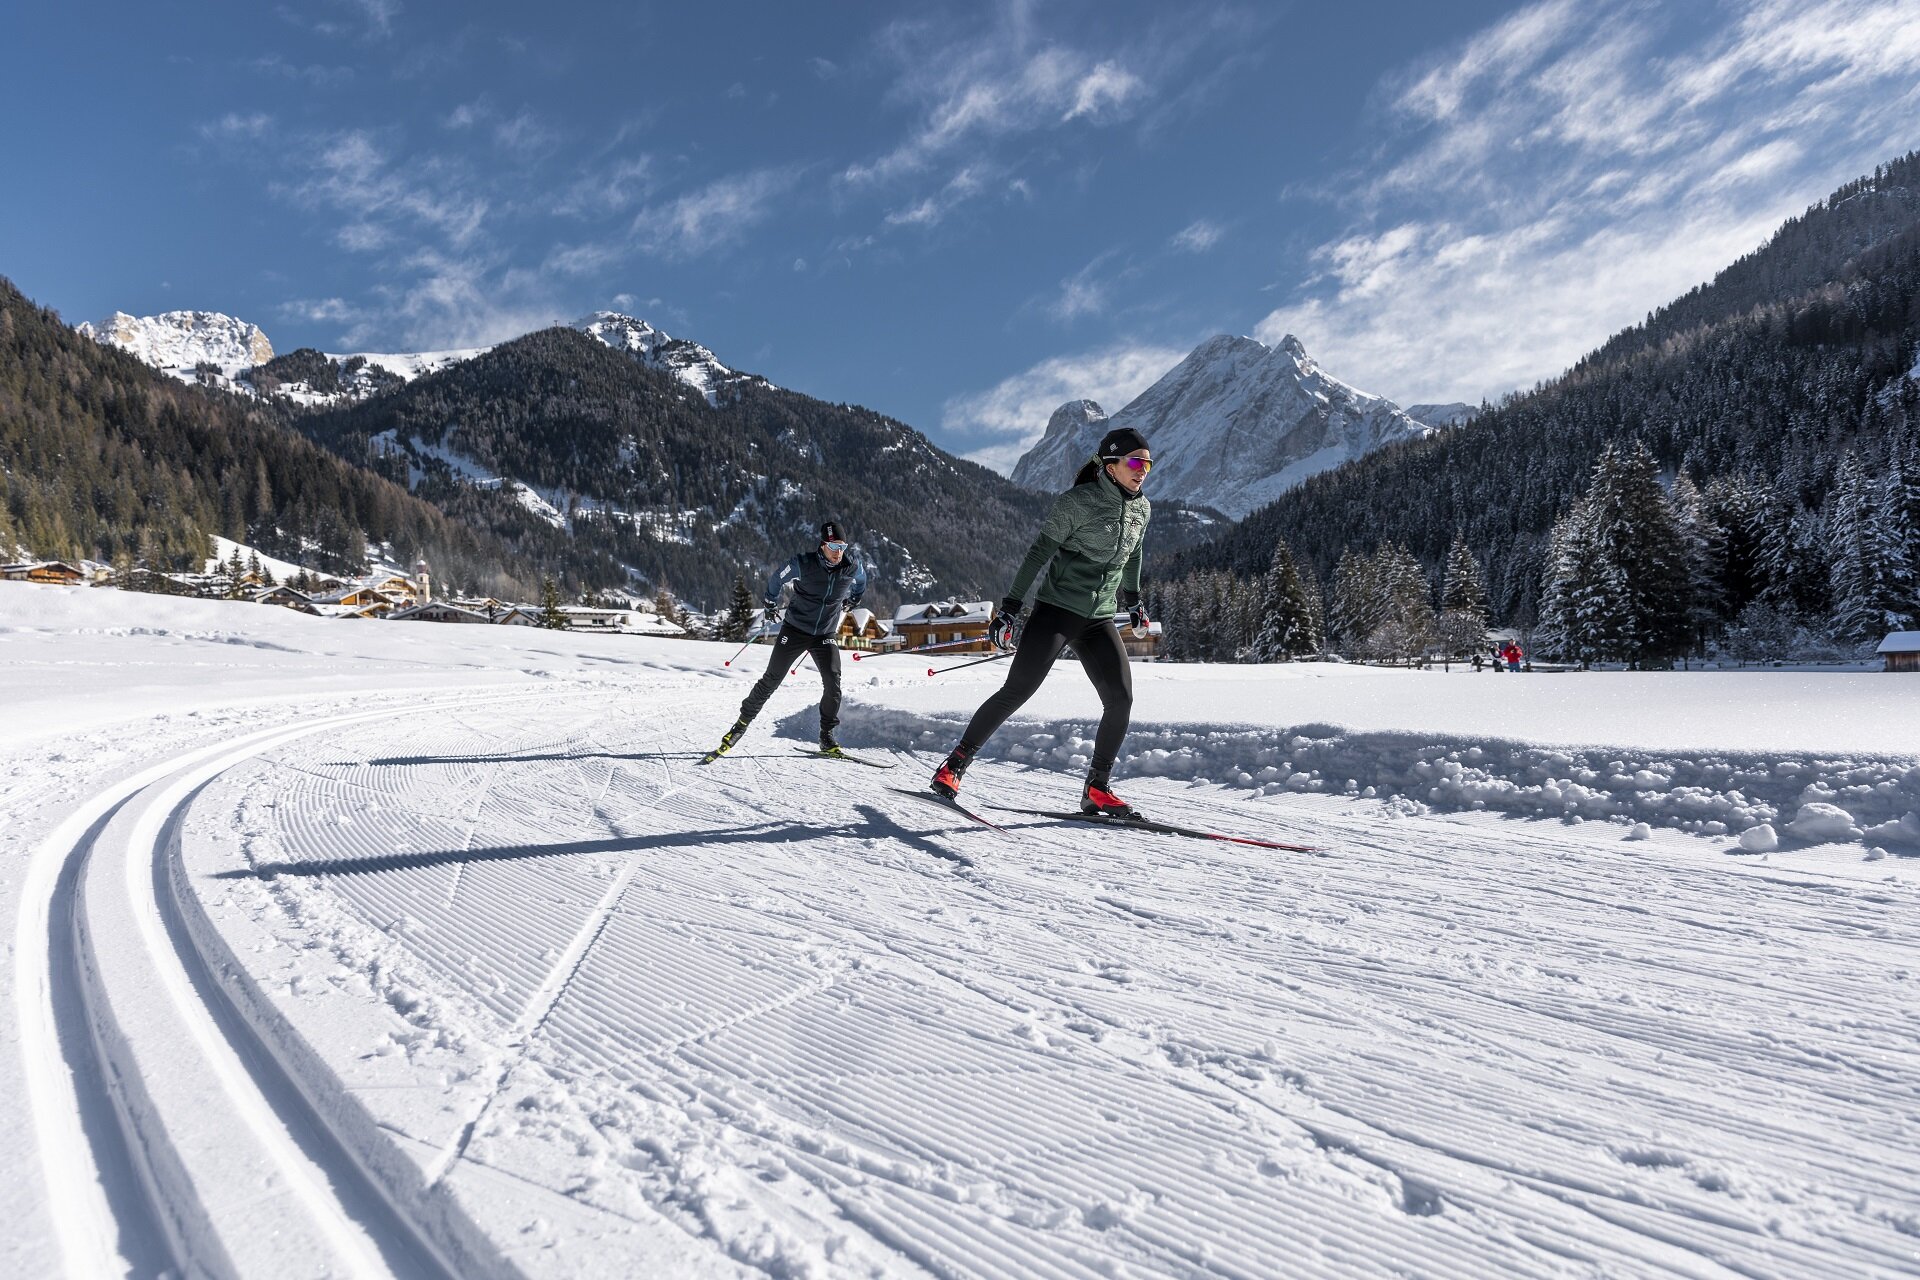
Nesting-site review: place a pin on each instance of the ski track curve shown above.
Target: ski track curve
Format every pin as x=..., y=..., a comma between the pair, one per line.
x=756, y=1016
x=126, y=1030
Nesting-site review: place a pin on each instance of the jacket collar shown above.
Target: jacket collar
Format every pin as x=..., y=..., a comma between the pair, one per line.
x=1107, y=483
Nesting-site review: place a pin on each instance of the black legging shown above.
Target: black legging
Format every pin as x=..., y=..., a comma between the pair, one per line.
x=786, y=651
x=1096, y=641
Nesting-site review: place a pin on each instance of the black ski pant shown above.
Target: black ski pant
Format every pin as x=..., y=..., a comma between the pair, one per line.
x=787, y=648
x=1096, y=642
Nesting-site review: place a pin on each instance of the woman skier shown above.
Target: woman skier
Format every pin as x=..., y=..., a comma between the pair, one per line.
x=825, y=582
x=1090, y=545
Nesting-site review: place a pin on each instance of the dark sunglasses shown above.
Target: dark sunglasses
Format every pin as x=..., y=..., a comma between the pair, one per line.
x=834, y=546
x=1142, y=465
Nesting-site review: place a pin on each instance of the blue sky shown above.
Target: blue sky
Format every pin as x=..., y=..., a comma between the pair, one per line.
x=960, y=214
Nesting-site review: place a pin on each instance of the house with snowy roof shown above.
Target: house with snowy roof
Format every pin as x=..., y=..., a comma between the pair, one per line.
x=1901, y=649
x=284, y=596
x=864, y=629
x=438, y=611
x=960, y=623
x=55, y=572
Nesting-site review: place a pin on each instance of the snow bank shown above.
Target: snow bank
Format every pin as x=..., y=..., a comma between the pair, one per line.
x=1808, y=799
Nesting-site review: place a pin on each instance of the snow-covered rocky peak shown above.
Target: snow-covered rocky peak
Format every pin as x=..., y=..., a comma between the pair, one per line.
x=1072, y=432
x=1456, y=413
x=1233, y=426
x=688, y=361
x=183, y=339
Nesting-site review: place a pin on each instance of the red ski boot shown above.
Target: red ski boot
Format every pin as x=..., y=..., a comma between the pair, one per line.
x=946, y=779
x=1098, y=801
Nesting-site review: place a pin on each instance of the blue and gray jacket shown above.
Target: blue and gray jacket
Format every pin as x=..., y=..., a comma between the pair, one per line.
x=820, y=591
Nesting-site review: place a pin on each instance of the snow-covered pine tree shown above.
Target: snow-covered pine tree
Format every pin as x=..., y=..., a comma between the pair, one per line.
x=1357, y=609
x=1407, y=597
x=737, y=623
x=1316, y=606
x=550, y=615
x=1738, y=510
x=1641, y=554
x=1286, y=615
x=1869, y=540
x=1169, y=607
x=1461, y=627
x=1702, y=542
x=1463, y=586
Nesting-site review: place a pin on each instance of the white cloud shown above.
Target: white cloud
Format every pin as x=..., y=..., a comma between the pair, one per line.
x=934, y=209
x=319, y=310
x=526, y=134
x=1103, y=92
x=977, y=90
x=354, y=176
x=613, y=189
x=1013, y=413
x=379, y=14
x=1081, y=294
x=236, y=125
x=320, y=77
x=450, y=302
x=715, y=215
x=1198, y=236
x=1577, y=165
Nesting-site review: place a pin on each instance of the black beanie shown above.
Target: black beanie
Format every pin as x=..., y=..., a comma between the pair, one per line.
x=830, y=532
x=1120, y=442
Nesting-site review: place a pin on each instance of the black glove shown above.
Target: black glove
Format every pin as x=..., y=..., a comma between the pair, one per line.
x=1004, y=633
x=1137, y=619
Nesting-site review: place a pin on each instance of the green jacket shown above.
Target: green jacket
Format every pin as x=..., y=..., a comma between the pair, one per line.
x=1093, y=535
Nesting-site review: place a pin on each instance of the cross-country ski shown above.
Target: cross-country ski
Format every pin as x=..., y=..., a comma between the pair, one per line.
x=1140, y=823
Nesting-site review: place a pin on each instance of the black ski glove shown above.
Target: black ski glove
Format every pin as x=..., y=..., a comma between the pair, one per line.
x=1137, y=619
x=1004, y=633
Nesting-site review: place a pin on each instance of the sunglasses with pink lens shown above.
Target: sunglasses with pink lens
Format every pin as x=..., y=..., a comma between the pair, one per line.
x=1142, y=465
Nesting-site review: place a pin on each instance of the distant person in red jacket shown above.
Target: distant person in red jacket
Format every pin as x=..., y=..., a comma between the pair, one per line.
x=1511, y=655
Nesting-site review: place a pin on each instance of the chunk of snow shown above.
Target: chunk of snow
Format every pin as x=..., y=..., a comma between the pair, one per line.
x=1823, y=822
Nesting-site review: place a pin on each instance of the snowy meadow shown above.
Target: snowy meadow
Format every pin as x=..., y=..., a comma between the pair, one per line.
x=430, y=950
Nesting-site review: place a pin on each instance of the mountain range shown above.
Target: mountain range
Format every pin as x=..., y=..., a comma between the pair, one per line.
x=1236, y=424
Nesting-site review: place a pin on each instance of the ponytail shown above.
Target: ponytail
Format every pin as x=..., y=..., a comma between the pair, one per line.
x=1089, y=471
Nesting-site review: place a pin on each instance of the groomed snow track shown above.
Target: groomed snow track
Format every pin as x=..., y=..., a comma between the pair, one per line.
x=133, y=1016
x=508, y=987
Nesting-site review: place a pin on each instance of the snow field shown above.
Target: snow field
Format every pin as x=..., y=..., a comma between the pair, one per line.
x=568, y=1004
x=759, y=1012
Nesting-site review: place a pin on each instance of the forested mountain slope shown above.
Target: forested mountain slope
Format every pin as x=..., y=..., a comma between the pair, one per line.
x=1757, y=386
x=102, y=456
x=633, y=463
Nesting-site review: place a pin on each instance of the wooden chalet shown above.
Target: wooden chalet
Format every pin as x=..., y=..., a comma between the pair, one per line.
x=437, y=612
x=52, y=572
x=963, y=623
x=1901, y=650
x=286, y=598
x=375, y=603
x=863, y=629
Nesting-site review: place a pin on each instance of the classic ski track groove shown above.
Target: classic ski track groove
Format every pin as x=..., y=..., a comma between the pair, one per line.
x=133, y=820
x=1177, y=1056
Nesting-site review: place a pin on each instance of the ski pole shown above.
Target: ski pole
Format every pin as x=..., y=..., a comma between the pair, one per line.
x=743, y=648
x=958, y=666
x=925, y=648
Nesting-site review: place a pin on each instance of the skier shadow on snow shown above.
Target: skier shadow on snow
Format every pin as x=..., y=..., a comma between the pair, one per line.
x=759, y=833
x=883, y=827
x=558, y=755
x=873, y=824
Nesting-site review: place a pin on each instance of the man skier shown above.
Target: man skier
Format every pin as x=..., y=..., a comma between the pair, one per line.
x=825, y=582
